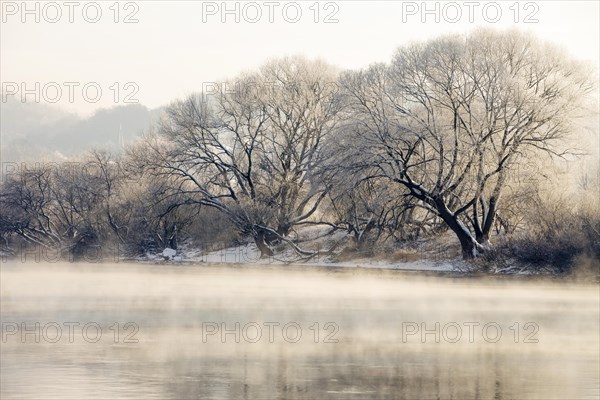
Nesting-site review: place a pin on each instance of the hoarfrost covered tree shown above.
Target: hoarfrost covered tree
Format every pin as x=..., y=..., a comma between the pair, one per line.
x=369, y=211
x=449, y=119
x=252, y=148
x=64, y=206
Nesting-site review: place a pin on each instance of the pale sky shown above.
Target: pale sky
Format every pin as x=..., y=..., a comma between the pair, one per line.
x=170, y=52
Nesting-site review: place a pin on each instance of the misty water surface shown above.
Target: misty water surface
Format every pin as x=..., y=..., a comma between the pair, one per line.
x=358, y=348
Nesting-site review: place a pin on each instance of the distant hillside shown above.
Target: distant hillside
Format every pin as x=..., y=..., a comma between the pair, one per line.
x=31, y=130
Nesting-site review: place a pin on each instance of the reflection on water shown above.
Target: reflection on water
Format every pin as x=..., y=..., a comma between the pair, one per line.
x=369, y=349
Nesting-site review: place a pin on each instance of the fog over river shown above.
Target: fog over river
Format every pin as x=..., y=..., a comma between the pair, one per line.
x=218, y=332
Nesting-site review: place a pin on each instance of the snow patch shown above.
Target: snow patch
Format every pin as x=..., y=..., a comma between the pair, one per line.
x=169, y=253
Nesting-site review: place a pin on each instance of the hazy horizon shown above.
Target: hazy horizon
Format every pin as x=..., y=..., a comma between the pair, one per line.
x=172, y=51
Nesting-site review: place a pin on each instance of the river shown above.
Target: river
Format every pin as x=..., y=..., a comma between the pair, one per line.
x=112, y=331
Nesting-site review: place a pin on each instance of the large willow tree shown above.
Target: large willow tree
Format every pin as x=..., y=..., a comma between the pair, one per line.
x=251, y=148
x=449, y=119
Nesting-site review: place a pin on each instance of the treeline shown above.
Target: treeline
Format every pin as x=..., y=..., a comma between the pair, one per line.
x=94, y=207
x=441, y=139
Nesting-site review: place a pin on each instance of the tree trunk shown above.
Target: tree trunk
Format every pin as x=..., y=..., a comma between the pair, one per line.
x=469, y=245
x=488, y=222
x=173, y=239
x=361, y=236
x=483, y=229
x=283, y=229
x=265, y=250
x=483, y=238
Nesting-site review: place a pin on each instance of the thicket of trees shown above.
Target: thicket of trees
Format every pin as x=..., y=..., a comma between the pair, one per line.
x=433, y=141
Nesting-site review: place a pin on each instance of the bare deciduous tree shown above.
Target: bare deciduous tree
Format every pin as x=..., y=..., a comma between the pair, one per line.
x=449, y=119
x=252, y=152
